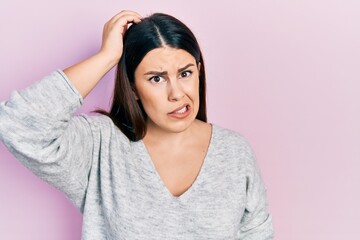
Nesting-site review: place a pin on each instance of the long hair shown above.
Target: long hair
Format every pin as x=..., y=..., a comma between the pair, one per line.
x=157, y=30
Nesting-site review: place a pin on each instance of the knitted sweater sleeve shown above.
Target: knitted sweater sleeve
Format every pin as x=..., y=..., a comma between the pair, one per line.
x=256, y=223
x=38, y=127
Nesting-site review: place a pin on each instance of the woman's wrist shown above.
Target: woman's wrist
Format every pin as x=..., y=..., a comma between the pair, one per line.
x=86, y=74
x=107, y=60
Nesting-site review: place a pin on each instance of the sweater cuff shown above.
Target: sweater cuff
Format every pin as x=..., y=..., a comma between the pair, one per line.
x=71, y=86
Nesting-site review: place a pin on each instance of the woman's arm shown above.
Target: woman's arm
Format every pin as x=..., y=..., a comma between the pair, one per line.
x=86, y=74
x=256, y=222
x=37, y=124
x=38, y=127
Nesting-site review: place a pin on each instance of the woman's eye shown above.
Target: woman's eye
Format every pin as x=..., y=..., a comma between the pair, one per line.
x=185, y=74
x=156, y=79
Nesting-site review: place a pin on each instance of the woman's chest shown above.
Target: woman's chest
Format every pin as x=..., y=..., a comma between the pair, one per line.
x=135, y=204
x=148, y=216
x=138, y=207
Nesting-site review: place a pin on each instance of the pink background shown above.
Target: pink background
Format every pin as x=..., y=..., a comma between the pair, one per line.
x=285, y=74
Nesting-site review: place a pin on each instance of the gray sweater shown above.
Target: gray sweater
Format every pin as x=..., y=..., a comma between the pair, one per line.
x=113, y=181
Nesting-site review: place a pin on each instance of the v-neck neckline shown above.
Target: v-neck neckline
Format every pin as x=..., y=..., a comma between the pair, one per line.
x=198, y=179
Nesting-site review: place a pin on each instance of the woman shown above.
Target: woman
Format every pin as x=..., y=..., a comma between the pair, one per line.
x=151, y=168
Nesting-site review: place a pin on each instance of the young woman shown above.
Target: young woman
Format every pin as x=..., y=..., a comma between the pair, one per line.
x=151, y=168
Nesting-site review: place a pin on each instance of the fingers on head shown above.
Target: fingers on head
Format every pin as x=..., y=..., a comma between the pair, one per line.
x=125, y=17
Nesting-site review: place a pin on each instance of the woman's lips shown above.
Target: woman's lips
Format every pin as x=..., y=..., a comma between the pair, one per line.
x=180, y=112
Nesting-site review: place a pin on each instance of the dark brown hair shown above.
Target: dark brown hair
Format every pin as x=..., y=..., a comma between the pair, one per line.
x=157, y=30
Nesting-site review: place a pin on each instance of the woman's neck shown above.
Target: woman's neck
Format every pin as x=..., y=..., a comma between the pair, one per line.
x=159, y=136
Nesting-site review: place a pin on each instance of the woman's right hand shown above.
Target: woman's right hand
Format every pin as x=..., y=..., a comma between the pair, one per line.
x=113, y=33
x=86, y=74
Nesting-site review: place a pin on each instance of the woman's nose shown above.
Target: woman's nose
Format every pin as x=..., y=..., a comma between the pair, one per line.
x=175, y=90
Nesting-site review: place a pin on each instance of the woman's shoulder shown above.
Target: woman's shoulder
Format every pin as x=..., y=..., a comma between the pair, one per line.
x=103, y=125
x=232, y=144
x=228, y=135
x=98, y=120
x=230, y=140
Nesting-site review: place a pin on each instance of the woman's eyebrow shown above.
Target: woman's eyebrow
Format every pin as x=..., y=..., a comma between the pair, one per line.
x=165, y=72
x=187, y=66
x=156, y=73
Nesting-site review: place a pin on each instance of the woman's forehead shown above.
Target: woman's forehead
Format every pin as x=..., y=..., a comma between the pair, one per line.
x=165, y=58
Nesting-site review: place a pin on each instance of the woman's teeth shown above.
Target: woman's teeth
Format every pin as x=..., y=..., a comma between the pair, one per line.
x=181, y=110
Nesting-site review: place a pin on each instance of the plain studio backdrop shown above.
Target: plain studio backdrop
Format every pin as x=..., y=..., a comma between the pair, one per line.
x=283, y=73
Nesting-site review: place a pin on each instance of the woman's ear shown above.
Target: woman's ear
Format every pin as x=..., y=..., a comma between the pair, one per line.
x=199, y=66
x=135, y=93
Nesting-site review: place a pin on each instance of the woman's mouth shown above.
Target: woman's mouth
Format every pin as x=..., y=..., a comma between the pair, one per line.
x=180, y=112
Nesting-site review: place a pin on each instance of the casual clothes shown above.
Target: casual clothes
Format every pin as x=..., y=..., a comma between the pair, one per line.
x=113, y=181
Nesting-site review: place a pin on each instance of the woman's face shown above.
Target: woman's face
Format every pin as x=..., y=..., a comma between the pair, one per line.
x=167, y=84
